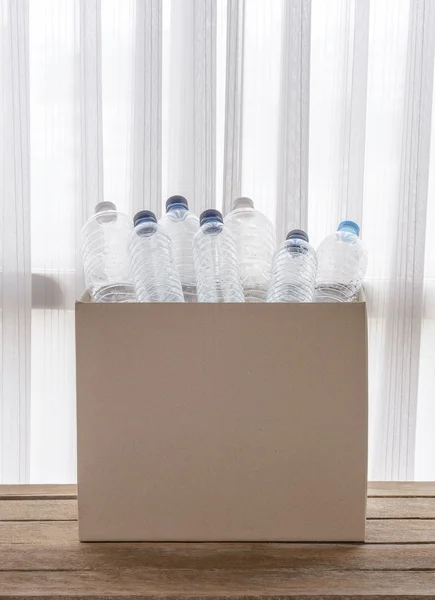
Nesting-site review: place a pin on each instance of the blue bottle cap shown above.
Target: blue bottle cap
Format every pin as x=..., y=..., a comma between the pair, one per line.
x=174, y=200
x=349, y=226
x=210, y=214
x=144, y=215
x=298, y=234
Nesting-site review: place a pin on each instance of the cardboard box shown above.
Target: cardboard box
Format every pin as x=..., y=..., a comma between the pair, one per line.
x=213, y=422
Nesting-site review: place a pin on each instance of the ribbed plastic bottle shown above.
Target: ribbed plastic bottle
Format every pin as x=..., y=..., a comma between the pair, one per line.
x=294, y=270
x=256, y=243
x=155, y=275
x=342, y=264
x=181, y=225
x=215, y=255
x=106, y=261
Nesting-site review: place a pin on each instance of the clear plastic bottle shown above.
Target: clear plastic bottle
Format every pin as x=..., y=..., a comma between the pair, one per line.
x=294, y=270
x=106, y=261
x=256, y=243
x=215, y=255
x=181, y=225
x=155, y=275
x=342, y=264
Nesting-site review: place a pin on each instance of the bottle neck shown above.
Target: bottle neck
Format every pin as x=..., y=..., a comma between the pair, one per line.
x=177, y=208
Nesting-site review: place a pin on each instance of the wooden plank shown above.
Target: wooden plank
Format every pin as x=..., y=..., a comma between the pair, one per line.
x=400, y=531
x=74, y=556
x=38, y=532
x=375, y=488
x=38, y=491
x=378, y=531
x=401, y=488
x=66, y=509
x=211, y=584
x=401, y=508
x=38, y=510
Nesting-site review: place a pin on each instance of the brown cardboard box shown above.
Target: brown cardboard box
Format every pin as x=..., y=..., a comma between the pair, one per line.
x=222, y=421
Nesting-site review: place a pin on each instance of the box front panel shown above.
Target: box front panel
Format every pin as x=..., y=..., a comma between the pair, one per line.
x=222, y=422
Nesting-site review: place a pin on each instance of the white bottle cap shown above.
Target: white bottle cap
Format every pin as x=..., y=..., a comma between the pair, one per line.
x=243, y=203
x=103, y=206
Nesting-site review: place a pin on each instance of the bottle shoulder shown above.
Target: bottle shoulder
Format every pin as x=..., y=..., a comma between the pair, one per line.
x=107, y=220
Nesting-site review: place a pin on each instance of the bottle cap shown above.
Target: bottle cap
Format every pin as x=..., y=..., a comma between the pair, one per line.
x=297, y=234
x=243, y=203
x=144, y=215
x=103, y=206
x=210, y=214
x=174, y=200
x=349, y=226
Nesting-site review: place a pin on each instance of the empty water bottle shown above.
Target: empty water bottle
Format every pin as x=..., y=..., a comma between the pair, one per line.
x=181, y=225
x=215, y=255
x=106, y=261
x=342, y=263
x=294, y=270
x=155, y=275
x=255, y=239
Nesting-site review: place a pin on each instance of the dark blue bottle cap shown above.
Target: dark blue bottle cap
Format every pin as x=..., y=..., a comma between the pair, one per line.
x=349, y=226
x=144, y=215
x=210, y=214
x=297, y=234
x=174, y=200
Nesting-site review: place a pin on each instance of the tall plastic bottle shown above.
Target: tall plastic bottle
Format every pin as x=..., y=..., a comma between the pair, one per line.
x=256, y=243
x=181, y=225
x=106, y=261
x=342, y=264
x=215, y=255
x=155, y=275
x=294, y=270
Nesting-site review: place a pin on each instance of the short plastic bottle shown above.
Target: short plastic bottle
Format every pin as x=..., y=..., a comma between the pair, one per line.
x=155, y=275
x=106, y=261
x=215, y=255
x=294, y=270
x=256, y=243
x=342, y=264
x=181, y=225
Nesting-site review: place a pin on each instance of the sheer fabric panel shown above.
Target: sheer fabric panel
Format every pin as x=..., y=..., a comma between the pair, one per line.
x=320, y=110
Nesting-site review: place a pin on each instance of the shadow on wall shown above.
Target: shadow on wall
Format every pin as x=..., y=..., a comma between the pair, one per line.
x=46, y=292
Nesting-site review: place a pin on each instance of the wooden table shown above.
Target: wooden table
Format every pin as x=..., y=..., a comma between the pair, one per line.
x=40, y=555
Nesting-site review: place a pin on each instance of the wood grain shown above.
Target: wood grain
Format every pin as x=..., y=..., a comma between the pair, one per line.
x=38, y=510
x=401, y=488
x=38, y=532
x=66, y=510
x=40, y=556
x=398, y=531
x=74, y=556
x=401, y=508
x=38, y=491
x=378, y=531
x=190, y=583
x=374, y=488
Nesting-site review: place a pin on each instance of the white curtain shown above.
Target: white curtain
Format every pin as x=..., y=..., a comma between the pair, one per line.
x=319, y=110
